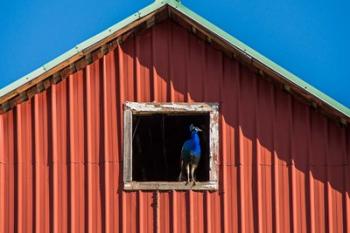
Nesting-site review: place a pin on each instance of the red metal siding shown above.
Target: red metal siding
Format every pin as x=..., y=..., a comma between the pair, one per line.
x=283, y=166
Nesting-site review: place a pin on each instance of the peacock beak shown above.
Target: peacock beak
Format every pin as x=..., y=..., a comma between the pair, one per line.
x=199, y=130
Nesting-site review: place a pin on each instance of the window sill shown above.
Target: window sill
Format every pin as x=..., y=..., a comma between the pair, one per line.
x=200, y=186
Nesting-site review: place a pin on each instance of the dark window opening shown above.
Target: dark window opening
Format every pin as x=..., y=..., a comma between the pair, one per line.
x=157, y=139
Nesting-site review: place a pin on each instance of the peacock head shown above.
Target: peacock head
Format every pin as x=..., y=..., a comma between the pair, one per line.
x=194, y=128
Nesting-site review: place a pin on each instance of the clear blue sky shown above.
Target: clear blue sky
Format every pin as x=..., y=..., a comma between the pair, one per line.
x=310, y=38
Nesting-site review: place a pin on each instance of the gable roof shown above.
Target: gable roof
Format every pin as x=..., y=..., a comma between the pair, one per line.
x=47, y=74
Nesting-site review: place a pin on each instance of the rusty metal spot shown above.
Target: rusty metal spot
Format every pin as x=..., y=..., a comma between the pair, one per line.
x=343, y=122
x=5, y=106
x=194, y=30
x=56, y=78
x=23, y=96
x=40, y=87
x=88, y=59
x=104, y=49
x=72, y=68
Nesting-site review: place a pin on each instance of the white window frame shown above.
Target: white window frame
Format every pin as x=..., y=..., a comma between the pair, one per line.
x=131, y=108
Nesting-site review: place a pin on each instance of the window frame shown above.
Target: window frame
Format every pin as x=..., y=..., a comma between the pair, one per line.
x=131, y=108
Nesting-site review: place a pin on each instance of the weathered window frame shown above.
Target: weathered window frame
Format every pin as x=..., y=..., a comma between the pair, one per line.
x=131, y=108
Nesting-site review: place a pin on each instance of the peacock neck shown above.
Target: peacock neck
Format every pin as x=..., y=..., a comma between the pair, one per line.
x=195, y=138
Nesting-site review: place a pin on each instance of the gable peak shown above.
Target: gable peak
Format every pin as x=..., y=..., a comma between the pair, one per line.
x=168, y=1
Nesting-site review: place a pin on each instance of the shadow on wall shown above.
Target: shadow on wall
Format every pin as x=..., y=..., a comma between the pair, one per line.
x=260, y=123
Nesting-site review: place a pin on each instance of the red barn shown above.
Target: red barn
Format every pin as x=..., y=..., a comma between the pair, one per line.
x=91, y=141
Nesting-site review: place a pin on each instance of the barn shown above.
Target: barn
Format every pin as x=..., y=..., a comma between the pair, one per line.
x=90, y=142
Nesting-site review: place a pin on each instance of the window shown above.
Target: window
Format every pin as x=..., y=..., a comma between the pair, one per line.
x=153, y=137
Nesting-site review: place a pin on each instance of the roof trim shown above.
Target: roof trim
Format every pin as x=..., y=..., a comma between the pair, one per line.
x=262, y=59
x=79, y=49
x=235, y=43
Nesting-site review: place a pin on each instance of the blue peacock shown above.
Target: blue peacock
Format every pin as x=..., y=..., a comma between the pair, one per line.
x=190, y=155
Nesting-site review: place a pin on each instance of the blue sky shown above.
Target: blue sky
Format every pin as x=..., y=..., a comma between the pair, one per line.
x=309, y=38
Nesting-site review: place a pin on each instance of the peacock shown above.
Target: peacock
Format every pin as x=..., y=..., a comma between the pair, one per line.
x=190, y=155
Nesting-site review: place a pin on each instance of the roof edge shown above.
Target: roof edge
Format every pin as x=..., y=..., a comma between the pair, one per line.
x=78, y=49
x=16, y=87
x=245, y=49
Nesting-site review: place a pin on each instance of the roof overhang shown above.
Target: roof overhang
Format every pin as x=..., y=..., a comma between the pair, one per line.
x=95, y=47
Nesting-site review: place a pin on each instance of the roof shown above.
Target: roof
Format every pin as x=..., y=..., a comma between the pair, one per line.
x=265, y=66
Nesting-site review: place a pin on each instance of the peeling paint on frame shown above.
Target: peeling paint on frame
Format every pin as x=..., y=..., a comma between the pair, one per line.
x=131, y=108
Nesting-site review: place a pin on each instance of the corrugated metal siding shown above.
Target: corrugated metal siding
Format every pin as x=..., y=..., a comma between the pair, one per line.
x=283, y=166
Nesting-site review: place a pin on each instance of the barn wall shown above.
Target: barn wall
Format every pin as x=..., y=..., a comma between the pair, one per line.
x=283, y=166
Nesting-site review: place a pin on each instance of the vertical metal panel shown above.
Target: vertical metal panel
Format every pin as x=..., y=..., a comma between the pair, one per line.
x=284, y=167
